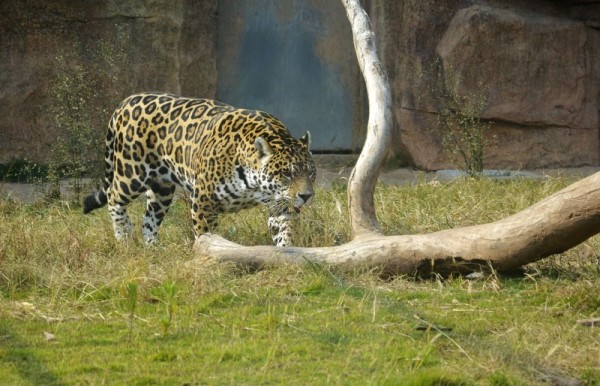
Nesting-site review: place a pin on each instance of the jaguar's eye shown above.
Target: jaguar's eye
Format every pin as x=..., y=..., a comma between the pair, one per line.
x=286, y=173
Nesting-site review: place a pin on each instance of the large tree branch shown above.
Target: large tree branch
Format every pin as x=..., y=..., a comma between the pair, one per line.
x=551, y=226
x=361, y=185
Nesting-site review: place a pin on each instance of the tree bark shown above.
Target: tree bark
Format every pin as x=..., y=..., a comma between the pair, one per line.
x=551, y=226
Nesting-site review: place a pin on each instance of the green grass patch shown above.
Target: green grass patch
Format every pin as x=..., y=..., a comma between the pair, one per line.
x=77, y=307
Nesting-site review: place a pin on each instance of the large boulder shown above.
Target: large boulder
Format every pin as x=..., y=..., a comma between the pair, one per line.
x=536, y=63
x=532, y=67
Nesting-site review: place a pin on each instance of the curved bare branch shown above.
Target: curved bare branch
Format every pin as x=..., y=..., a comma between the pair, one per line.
x=361, y=185
x=551, y=226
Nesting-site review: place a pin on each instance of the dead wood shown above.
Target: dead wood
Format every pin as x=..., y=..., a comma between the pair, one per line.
x=361, y=185
x=551, y=226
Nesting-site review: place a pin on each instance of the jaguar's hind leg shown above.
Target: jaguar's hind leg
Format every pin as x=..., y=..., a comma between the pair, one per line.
x=159, y=199
x=118, y=212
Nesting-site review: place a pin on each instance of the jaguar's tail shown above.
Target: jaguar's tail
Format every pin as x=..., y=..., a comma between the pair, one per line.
x=95, y=200
x=98, y=198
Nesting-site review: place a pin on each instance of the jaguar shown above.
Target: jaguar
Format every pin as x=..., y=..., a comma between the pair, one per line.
x=225, y=158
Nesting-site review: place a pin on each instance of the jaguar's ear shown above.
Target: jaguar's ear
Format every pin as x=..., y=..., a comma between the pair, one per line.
x=263, y=147
x=305, y=139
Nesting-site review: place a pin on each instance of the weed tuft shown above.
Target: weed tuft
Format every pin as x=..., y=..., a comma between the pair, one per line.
x=459, y=119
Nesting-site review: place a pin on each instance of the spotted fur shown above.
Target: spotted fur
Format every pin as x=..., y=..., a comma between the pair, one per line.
x=226, y=158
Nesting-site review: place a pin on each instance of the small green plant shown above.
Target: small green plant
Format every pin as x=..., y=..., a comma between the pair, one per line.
x=166, y=293
x=131, y=301
x=80, y=110
x=77, y=150
x=22, y=170
x=459, y=119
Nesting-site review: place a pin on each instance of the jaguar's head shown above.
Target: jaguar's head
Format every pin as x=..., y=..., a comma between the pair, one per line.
x=287, y=173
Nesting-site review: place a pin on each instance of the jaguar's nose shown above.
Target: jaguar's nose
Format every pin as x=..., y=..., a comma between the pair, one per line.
x=305, y=196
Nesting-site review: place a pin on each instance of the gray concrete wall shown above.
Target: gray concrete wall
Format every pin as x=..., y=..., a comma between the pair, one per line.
x=294, y=59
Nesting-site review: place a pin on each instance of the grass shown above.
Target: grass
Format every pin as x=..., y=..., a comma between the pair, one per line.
x=122, y=313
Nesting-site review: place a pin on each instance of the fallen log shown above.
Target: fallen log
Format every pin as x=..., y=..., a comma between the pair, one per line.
x=551, y=226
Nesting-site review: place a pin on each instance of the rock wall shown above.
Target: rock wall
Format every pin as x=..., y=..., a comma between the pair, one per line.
x=536, y=61
x=166, y=45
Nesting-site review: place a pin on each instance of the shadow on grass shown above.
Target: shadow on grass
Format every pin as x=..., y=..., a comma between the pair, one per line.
x=23, y=360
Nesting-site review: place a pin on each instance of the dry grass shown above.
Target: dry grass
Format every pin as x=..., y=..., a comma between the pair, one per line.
x=63, y=273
